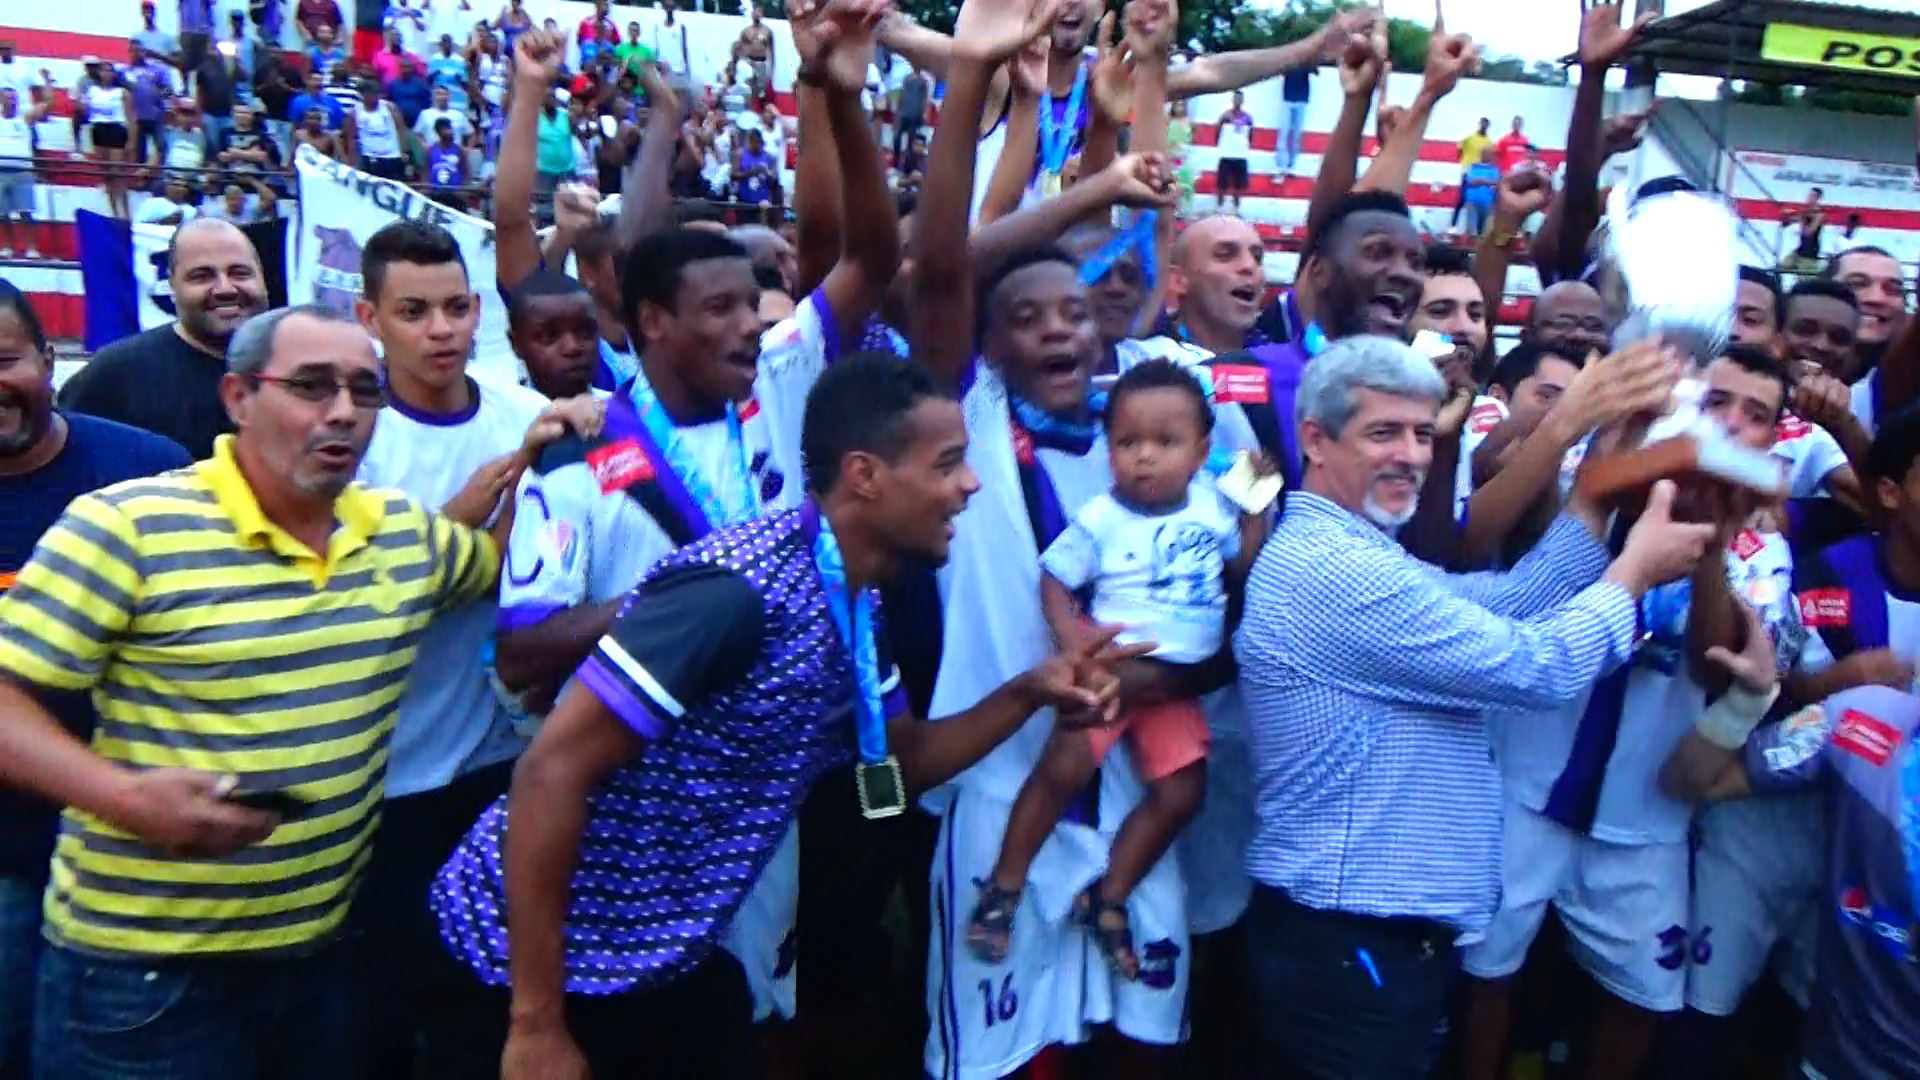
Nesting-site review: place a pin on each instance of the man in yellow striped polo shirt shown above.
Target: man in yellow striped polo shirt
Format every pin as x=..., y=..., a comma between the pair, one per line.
x=245, y=627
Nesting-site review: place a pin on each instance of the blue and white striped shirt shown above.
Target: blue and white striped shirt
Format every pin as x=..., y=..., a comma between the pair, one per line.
x=1367, y=676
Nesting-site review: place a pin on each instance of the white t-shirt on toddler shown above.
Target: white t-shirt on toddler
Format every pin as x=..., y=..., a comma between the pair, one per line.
x=1158, y=575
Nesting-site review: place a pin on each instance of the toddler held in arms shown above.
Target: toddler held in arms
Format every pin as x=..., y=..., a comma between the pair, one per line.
x=1158, y=554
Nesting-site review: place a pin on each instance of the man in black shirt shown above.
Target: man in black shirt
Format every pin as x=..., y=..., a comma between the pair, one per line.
x=213, y=85
x=167, y=380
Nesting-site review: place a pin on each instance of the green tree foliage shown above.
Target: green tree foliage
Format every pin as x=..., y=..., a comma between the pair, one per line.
x=1826, y=98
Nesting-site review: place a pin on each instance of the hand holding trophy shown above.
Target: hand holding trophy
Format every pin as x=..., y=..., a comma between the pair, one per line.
x=1668, y=270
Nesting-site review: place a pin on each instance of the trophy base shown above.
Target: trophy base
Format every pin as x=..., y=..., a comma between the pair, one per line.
x=1696, y=454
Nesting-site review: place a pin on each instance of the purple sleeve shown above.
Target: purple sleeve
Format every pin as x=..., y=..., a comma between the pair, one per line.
x=519, y=618
x=829, y=329
x=681, y=638
x=893, y=695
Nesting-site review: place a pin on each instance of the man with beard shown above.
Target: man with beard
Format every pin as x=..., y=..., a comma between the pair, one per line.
x=246, y=627
x=47, y=459
x=167, y=380
x=1378, y=843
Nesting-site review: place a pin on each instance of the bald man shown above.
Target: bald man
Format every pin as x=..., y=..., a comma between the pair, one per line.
x=1568, y=319
x=167, y=380
x=768, y=249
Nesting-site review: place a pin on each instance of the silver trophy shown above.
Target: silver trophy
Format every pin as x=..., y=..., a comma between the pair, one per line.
x=1668, y=270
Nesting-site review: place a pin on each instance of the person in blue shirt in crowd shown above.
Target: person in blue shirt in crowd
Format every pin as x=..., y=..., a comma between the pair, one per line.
x=47, y=457
x=1482, y=184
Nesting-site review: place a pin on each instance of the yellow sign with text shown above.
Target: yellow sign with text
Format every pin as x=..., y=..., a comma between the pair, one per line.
x=1848, y=50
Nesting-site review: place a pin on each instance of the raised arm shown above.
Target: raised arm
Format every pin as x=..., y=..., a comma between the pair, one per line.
x=1013, y=170
x=1449, y=56
x=835, y=43
x=1362, y=66
x=1516, y=198
x=1136, y=180
x=1635, y=380
x=1562, y=241
x=646, y=203
x=536, y=63
x=942, y=325
x=1233, y=70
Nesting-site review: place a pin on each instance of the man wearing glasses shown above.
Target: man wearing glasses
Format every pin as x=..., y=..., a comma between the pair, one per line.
x=246, y=627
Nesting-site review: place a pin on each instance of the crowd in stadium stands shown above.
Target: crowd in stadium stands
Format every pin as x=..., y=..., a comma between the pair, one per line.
x=365, y=713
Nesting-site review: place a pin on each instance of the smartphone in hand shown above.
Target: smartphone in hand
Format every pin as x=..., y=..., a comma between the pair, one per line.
x=289, y=807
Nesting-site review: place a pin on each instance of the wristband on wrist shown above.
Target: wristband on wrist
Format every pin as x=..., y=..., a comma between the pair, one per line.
x=1730, y=721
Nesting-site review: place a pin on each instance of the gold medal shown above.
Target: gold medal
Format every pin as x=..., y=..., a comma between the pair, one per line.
x=1049, y=183
x=883, y=794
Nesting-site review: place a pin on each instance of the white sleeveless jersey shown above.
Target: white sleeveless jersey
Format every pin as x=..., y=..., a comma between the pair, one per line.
x=106, y=104
x=16, y=139
x=377, y=131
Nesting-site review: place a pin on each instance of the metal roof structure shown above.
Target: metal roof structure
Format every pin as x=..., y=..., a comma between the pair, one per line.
x=1722, y=38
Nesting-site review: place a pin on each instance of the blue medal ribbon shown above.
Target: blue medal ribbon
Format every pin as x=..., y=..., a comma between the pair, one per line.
x=1056, y=432
x=618, y=366
x=746, y=503
x=1057, y=134
x=853, y=615
x=1137, y=238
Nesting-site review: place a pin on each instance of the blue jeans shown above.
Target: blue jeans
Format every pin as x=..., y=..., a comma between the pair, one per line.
x=1296, y=118
x=200, y=1018
x=1346, y=997
x=20, y=947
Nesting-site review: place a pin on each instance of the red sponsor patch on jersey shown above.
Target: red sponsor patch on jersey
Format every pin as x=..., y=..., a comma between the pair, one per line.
x=1022, y=445
x=1240, y=384
x=750, y=410
x=1820, y=608
x=1790, y=427
x=1747, y=544
x=1484, y=418
x=1866, y=737
x=619, y=466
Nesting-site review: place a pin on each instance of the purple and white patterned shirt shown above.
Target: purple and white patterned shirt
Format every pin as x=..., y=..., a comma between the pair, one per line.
x=1368, y=675
x=728, y=662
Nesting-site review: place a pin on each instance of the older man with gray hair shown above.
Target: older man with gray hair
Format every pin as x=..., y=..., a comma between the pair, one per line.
x=246, y=627
x=1366, y=675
